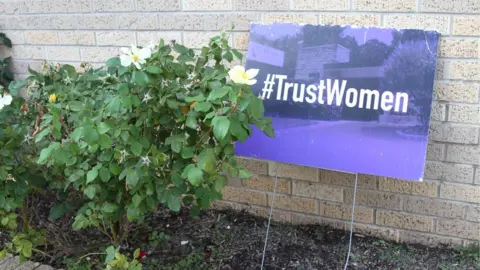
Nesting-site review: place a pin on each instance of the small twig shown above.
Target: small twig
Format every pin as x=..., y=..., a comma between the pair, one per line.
x=90, y=254
x=42, y=252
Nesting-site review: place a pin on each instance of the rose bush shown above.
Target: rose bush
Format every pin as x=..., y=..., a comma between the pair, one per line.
x=156, y=126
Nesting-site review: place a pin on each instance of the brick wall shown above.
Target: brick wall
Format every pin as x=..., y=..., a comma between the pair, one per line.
x=443, y=209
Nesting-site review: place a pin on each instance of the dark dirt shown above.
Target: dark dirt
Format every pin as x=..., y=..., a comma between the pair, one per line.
x=234, y=240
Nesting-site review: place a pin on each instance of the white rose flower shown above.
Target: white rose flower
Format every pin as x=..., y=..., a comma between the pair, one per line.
x=239, y=75
x=5, y=100
x=135, y=56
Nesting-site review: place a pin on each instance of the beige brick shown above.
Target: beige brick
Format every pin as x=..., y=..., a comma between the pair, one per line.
x=465, y=114
x=19, y=66
x=244, y=196
x=429, y=240
x=459, y=192
x=222, y=205
x=198, y=39
x=465, y=70
x=473, y=213
x=477, y=176
x=466, y=26
x=438, y=112
x=235, y=182
x=297, y=218
x=441, y=69
x=63, y=53
x=459, y=228
x=112, y=5
x=254, y=165
x=293, y=171
x=115, y=38
x=262, y=182
x=347, y=179
x=317, y=191
x=463, y=154
x=458, y=48
x=240, y=41
x=73, y=6
x=225, y=21
x=439, y=23
x=464, y=6
x=457, y=92
x=137, y=21
x=13, y=7
x=261, y=5
x=449, y=172
x=76, y=38
x=38, y=6
x=374, y=231
x=156, y=36
x=404, y=221
x=312, y=5
x=28, y=52
x=106, y=22
x=41, y=37
x=350, y=19
x=17, y=37
x=290, y=18
x=454, y=133
x=374, y=199
x=207, y=5
x=181, y=22
x=277, y=215
x=98, y=54
x=158, y=5
x=386, y=5
x=433, y=207
x=44, y=22
x=436, y=151
x=294, y=203
x=344, y=212
x=428, y=189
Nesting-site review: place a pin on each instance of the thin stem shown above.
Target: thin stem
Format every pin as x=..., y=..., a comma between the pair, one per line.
x=24, y=214
x=42, y=252
x=90, y=254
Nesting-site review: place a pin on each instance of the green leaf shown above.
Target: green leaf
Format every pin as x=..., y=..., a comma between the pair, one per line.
x=59, y=210
x=105, y=141
x=90, y=135
x=218, y=93
x=191, y=122
x=104, y=174
x=188, y=152
x=207, y=160
x=244, y=174
x=176, y=146
x=203, y=107
x=115, y=169
x=140, y=78
x=180, y=49
x=153, y=69
x=136, y=148
x=42, y=134
x=237, y=130
x=76, y=106
x=174, y=203
x=195, y=176
x=61, y=156
x=113, y=62
x=132, y=213
x=132, y=178
x=256, y=108
x=110, y=254
x=27, y=248
x=3, y=254
x=77, y=134
x=237, y=54
x=197, y=98
x=45, y=154
x=221, y=125
x=90, y=192
x=228, y=56
x=220, y=182
x=80, y=222
x=109, y=207
x=103, y=128
x=137, y=199
x=91, y=175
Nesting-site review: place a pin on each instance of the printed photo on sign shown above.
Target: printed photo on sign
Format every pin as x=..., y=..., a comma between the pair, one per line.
x=354, y=99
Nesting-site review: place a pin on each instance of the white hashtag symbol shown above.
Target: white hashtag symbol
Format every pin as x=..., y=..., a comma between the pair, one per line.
x=268, y=88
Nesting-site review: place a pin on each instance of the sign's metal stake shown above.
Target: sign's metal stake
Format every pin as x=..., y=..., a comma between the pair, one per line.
x=270, y=215
x=351, y=222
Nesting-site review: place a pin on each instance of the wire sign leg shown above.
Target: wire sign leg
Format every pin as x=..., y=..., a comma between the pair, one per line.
x=270, y=215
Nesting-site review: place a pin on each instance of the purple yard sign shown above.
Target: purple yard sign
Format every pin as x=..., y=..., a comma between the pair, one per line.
x=344, y=98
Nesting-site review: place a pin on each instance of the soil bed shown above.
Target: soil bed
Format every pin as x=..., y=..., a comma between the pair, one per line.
x=230, y=239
